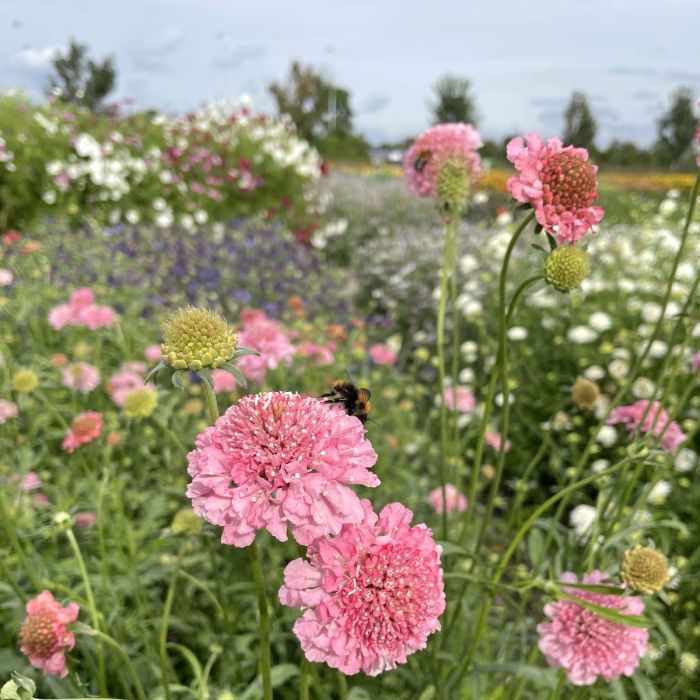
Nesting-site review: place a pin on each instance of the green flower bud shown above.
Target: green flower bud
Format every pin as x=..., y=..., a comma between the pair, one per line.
x=566, y=267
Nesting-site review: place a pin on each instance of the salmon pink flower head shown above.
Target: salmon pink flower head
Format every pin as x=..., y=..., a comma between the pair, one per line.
x=86, y=428
x=81, y=310
x=279, y=460
x=123, y=383
x=80, y=376
x=223, y=381
x=459, y=399
x=455, y=500
x=320, y=355
x=560, y=184
x=441, y=145
x=45, y=637
x=261, y=333
x=371, y=595
x=8, y=410
x=381, y=354
x=656, y=420
x=587, y=645
x=153, y=353
x=493, y=440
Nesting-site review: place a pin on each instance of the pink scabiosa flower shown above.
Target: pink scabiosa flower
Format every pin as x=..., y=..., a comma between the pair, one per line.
x=442, y=145
x=381, y=354
x=279, y=460
x=6, y=277
x=153, y=353
x=123, y=383
x=371, y=595
x=560, y=184
x=261, y=333
x=223, y=381
x=587, y=645
x=493, y=440
x=86, y=428
x=320, y=355
x=656, y=420
x=80, y=376
x=45, y=637
x=85, y=519
x=456, y=501
x=459, y=399
x=81, y=310
x=8, y=410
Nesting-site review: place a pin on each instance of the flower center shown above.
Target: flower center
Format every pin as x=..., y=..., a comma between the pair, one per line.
x=38, y=634
x=568, y=182
x=386, y=598
x=85, y=426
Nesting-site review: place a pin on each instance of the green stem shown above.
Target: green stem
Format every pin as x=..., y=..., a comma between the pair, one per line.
x=212, y=405
x=342, y=686
x=517, y=294
x=455, y=334
x=94, y=614
x=304, y=678
x=265, y=664
x=163, y=636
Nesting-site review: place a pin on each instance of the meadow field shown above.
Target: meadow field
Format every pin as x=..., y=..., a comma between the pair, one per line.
x=183, y=514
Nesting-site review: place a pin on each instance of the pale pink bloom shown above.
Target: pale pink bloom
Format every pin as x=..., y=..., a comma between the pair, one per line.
x=456, y=501
x=459, y=399
x=656, y=418
x=85, y=519
x=371, y=595
x=559, y=183
x=81, y=310
x=135, y=366
x=381, y=354
x=586, y=645
x=223, y=381
x=261, y=333
x=279, y=460
x=153, y=353
x=320, y=355
x=7, y=410
x=6, y=277
x=31, y=482
x=86, y=428
x=695, y=363
x=81, y=376
x=122, y=383
x=41, y=499
x=45, y=637
x=441, y=143
x=493, y=440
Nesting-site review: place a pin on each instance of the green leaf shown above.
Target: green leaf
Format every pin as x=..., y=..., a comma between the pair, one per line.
x=618, y=689
x=643, y=686
x=236, y=374
x=176, y=379
x=154, y=370
x=608, y=613
x=449, y=548
x=279, y=675
x=191, y=659
x=552, y=241
x=242, y=351
x=205, y=376
x=547, y=677
x=608, y=590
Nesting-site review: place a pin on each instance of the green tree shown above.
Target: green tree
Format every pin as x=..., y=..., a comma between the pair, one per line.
x=579, y=124
x=316, y=106
x=676, y=129
x=80, y=80
x=454, y=102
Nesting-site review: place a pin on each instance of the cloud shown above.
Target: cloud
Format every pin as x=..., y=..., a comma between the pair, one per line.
x=634, y=71
x=34, y=59
x=236, y=56
x=153, y=58
x=374, y=103
x=549, y=103
x=643, y=95
x=683, y=76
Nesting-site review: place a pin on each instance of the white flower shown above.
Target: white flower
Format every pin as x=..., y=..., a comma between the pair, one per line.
x=581, y=334
x=49, y=196
x=600, y=321
x=201, y=217
x=132, y=216
x=658, y=349
x=6, y=277
x=667, y=207
x=594, y=373
x=659, y=492
x=607, y=436
x=504, y=218
x=582, y=518
x=468, y=263
x=618, y=369
x=517, y=333
x=165, y=219
x=159, y=204
x=651, y=312
x=187, y=222
x=643, y=388
x=600, y=465
x=469, y=349
x=685, y=460
x=87, y=147
x=466, y=376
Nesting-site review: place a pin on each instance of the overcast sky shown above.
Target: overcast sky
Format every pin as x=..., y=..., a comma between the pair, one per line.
x=524, y=57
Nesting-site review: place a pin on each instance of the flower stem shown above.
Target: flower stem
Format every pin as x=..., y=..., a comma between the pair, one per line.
x=163, y=636
x=94, y=614
x=265, y=664
x=304, y=678
x=212, y=405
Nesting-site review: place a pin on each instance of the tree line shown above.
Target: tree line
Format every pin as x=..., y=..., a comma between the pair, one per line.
x=323, y=114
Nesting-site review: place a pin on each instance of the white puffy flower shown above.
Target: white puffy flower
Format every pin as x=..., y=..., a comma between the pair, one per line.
x=469, y=349
x=159, y=204
x=651, y=312
x=468, y=263
x=581, y=334
x=466, y=376
x=504, y=218
x=667, y=207
x=685, y=460
x=599, y=465
x=659, y=492
x=595, y=373
x=517, y=333
x=165, y=219
x=658, y=349
x=87, y=147
x=600, y=321
x=201, y=217
x=643, y=388
x=132, y=216
x=607, y=436
x=49, y=196
x=582, y=518
x=618, y=369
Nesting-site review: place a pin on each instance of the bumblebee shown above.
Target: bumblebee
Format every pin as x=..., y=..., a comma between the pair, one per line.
x=354, y=401
x=421, y=160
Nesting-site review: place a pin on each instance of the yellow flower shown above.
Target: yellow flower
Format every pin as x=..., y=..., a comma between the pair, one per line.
x=25, y=381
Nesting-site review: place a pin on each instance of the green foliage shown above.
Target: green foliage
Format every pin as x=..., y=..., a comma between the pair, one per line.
x=453, y=100
x=579, y=125
x=345, y=148
x=676, y=129
x=79, y=80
